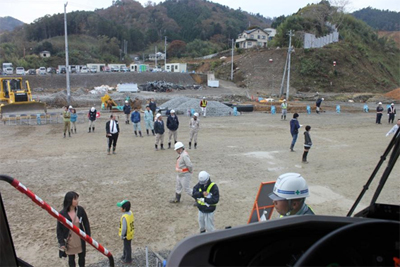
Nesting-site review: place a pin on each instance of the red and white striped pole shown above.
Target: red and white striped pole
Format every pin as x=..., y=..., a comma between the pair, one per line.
x=58, y=216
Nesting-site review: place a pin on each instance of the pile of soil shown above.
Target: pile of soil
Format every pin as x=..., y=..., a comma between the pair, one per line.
x=395, y=94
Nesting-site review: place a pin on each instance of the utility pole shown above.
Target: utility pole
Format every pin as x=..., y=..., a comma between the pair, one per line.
x=165, y=51
x=283, y=78
x=288, y=77
x=66, y=55
x=232, y=61
x=155, y=55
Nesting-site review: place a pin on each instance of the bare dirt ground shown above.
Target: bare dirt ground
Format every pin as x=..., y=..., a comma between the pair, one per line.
x=239, y=152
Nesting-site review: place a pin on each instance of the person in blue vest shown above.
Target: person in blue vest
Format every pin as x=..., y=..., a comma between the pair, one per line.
x=289, y=195
x=206, y=194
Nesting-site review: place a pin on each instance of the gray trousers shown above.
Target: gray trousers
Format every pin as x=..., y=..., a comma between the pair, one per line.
x=91, y=123
x=193, y=135
x=136, y=126
x=206, y=221
x=127, y=254
x=183, y=183
x=172, y=134
x=159, y=138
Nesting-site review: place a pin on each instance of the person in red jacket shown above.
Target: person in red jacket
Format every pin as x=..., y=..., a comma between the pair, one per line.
x=203, y=106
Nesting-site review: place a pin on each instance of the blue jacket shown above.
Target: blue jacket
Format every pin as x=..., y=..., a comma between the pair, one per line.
x=127, y=109
x=73, y=117
x=294, y=126
x=135, y=117
x=159, y=127
x=172, y=123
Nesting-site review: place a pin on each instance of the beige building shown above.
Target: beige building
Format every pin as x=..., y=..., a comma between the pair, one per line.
x=252, y=38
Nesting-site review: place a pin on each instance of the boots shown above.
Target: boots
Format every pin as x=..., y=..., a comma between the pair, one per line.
x=89, y=130
x=305, y=157
x=291, y=148
x=140, y=133
x=114, y=150
x=92, y=129
x=69, y=134
x=153, y=132
x=190, y=145
x=162, y=147
x=169, y=145
x=64, y=135
x=281, y=117
x=75, y=130
x=147, y=131
x=177, y=199
x=202, y=231
x=195, y=145
x=136, y=133
x=284, y=117
x=108, y=151
x=155, y=147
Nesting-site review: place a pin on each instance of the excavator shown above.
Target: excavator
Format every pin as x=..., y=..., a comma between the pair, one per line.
x=17, y=99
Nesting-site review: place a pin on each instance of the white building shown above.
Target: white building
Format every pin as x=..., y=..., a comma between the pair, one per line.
x=252, y=38
x=176, y=67
x=271, y=33
x=158, y=55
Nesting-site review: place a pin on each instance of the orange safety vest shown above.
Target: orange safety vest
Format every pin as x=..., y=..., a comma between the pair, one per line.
x=204, y=103
x=177, y=164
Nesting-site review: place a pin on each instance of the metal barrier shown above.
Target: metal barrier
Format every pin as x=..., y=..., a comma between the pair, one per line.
x=20, y=187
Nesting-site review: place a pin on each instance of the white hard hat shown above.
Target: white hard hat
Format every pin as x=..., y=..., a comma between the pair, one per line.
x=172, y=111
x=203, y=177
x=290, y=186
x=284, y=100
x=196, y=114
x=322, y=99
x=178, y=145
x=70, y=107
x=380, y=103
x=126, y=101
x=204, y=97
x=392, y=104
x=92, y=109
x=158, y=115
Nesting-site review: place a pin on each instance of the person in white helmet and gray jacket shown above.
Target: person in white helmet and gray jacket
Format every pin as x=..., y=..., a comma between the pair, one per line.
x=289, y=195
x=206, y=194
x=184, y=168
x=92, y=118
x=194, y=126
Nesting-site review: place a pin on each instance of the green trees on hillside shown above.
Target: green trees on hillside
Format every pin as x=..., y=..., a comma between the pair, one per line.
x=383, y=20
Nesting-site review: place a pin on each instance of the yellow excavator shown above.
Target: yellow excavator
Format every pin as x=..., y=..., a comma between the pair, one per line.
x=17, y=99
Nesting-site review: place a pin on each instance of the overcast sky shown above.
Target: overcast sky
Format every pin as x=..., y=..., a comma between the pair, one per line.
x=29, y=10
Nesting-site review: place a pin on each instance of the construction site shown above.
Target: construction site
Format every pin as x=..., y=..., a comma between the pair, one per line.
x=239, y=149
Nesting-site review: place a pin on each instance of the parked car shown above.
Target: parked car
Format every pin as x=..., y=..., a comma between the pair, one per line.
x=84, y=69
x=93, y=70
x=31, y=72
x=114, y=69
x=107, y=69
x=51, y=70
x=42, y=70
x=62, y=70
x=9, y=71
x=20, y=71
x=124, y=69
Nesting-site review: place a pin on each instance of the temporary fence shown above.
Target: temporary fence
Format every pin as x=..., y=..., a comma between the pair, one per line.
x=20, y=187
x=42, y=118
x=263, y=206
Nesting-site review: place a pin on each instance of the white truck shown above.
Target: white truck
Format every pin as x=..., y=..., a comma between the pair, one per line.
x=8, y=68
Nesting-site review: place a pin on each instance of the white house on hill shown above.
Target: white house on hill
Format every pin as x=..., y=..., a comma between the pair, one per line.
x=252, y=38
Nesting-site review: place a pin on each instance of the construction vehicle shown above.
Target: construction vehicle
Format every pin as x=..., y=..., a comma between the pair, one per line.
x=15, y=99
x=108, y=103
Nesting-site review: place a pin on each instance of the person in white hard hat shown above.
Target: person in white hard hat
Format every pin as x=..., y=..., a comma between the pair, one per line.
x=184, y=168
x=127, y=111
x=289, y=195
x=194, y=126
x=379, y=113
x=159, y=129
x=391, y=112
x=203, y=106
x=92, y=118
x=172, y=125
x=284, y=109
x=206, y=194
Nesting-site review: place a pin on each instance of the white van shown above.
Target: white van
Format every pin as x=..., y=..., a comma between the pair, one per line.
x=42, y=70
x=9, y=71
x=20, y=71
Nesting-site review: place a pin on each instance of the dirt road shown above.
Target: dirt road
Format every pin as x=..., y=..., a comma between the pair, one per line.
x=239, y=153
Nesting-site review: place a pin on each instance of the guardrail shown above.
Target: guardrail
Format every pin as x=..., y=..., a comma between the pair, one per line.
x=23, y=189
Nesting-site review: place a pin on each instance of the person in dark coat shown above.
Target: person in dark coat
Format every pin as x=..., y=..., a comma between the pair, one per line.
x=112, y=132
x=318, y=105
x=379, y=113
x=159, y=129
x=206, y=194
x=68, y=240
x=127, y=111
x=294, y=130
x=172, y=125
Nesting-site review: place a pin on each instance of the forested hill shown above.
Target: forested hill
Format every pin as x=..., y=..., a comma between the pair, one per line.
x=128, y=20
x=9, y=24
x=382, y=20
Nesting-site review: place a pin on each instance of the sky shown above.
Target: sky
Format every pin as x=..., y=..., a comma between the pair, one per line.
x=29, y=10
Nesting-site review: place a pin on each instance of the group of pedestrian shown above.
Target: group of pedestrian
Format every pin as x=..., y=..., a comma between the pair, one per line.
x=391, y=111
x=69, y=117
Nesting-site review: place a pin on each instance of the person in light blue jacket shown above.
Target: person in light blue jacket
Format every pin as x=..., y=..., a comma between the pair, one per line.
x=148, y=119
x=73, y=119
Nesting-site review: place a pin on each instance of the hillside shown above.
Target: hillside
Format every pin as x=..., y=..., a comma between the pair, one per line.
x=382, y=20
x=9, y=24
